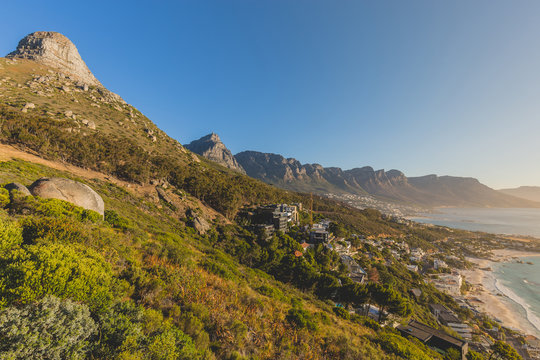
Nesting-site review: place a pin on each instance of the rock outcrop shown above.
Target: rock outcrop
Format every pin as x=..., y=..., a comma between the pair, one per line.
x=212, y=148
x=55, y=50
x=18, y=187
x=68, y=190
x=198, y=222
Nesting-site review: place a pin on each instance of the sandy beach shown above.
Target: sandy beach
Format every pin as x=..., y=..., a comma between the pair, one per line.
x=492, y=301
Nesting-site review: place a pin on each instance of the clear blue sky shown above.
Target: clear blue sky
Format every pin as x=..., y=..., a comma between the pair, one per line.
x=446, y=87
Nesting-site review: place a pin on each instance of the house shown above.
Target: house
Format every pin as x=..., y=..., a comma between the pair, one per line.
x=305, y=246
x=318, y=235
x=448, y=318
x=448, y=283
x=442, y=314
x=266, y=230
x=434, y=338
x=356, y=273
x=413, y=268
x=277, y=215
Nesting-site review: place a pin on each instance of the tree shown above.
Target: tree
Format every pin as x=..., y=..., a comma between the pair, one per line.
x=389, y=299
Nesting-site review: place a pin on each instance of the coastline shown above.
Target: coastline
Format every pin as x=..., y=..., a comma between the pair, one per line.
x=493, y=298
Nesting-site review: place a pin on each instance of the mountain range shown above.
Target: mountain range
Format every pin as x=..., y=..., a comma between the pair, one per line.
x=525, y=192
x=392, y=185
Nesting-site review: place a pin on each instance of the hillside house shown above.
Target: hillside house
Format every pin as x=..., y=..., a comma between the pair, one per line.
x=434, y=338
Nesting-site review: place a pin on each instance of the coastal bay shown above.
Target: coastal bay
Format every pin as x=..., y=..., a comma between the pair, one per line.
x=500, y=301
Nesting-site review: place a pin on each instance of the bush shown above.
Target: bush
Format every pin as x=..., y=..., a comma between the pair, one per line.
x=115, y=220
x=50, y=329
x=62, y=209
x=67, y=271
x=301, y=319
x=341, y=312
x=271, y=291
x=52, y=230
x=367, y=322
x=400, y=346
x=4, y=198
x=10, y=237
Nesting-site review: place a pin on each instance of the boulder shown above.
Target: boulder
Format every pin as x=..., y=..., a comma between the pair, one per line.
x=68, y=190
x=197, y=222
x=19, y=187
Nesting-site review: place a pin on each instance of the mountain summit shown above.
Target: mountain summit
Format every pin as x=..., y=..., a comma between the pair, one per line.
x=55, y=50
x=212, y=148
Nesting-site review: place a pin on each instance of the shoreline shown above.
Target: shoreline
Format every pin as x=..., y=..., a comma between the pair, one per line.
x=493, y=300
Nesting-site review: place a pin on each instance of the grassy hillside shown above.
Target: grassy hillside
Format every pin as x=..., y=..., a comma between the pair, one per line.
x=143, y=283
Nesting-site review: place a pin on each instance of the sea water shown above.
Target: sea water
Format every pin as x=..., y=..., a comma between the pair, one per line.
x=493, y=220
x=520, y=282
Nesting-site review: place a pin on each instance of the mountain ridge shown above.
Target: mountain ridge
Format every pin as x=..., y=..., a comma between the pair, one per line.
x=428, y=190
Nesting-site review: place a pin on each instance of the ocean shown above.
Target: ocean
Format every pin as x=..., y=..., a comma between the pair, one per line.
x=492, y=220
x=520, y=283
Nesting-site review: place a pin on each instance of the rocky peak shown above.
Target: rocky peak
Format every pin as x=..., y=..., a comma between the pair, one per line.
x=212, y=148
x=55, y=50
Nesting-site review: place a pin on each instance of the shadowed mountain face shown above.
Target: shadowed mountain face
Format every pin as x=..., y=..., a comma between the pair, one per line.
x=430, y=190
x=212, y=148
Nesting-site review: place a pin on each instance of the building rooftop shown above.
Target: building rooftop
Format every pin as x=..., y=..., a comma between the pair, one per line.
x=416, y=328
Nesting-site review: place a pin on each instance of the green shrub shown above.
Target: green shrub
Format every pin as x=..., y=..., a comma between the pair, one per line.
x=56, y=208
x=49, y=329
x=67, y=271
x=52, y=229
x=341, y=312
x=172, y=344
x=115, y=220
x=301, y=319
x=217, y=269
x=4, y=198
x=10, y=237
x=402, y=347
x=271, y=291
x=367, y=322
x=120, y=331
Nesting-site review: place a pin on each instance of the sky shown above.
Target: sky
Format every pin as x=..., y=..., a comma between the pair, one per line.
x=444, y=87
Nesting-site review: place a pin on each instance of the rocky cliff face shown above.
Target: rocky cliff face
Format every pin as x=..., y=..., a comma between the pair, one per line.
x=430, y=190
x=55, y=50
x=212, y=148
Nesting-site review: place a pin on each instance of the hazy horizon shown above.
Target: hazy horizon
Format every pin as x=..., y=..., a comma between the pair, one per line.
x=422, y=87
